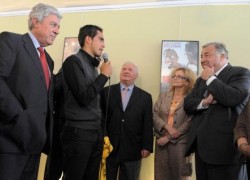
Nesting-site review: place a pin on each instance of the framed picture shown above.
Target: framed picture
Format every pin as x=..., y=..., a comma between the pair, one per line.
x=71, y=46
x=176, y=54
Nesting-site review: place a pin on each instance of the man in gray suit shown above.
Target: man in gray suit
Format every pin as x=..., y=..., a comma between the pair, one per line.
x=26, y=103
x=218, y=97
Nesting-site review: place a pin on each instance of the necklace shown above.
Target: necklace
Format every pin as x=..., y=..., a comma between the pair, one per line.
x=177, y=99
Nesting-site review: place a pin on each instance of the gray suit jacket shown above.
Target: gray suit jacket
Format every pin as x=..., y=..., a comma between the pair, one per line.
x=25, y=104
x=160, y=115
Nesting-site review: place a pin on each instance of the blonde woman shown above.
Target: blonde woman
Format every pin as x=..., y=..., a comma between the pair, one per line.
x=171, y=125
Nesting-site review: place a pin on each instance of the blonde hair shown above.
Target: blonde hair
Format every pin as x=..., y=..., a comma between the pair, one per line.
x=190, y=78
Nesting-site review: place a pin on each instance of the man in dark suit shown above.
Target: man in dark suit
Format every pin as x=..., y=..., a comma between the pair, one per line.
x=217, y=99
x=129, y=125
x=26, y=103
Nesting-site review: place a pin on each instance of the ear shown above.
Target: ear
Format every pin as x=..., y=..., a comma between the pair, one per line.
x=222, y=57
x=35, y=22
x=136, y=75
x=88, y=39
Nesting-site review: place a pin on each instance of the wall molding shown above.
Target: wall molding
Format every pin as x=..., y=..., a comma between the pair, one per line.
x=136, y=6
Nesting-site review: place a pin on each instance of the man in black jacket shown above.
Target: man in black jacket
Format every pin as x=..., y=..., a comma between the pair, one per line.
x=82, y=136
x=26, y=94
x=129, y=125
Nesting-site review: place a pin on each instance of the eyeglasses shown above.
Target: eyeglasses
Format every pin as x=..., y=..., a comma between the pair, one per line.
x=179, y=77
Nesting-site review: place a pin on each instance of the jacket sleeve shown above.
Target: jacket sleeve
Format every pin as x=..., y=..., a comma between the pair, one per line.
x=237, y=87
x=242, y=123
x=158, y=121
x=10, y=107
x=148, y=125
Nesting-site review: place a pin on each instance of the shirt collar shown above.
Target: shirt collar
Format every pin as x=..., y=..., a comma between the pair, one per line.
x=218, y=72
x=94, y=61
x=34, y=40
x=131, y=87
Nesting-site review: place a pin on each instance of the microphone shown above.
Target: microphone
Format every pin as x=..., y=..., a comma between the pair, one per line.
x=105, y=57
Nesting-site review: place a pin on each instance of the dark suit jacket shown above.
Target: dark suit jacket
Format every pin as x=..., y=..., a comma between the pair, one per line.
x=212, y=128
x=132, y=130
x=25, y=103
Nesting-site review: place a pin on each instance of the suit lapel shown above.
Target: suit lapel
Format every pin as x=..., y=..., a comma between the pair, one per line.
x=29, y=46
x=166, y=101
x=134, y=96
x=180, y=105
x=50, y=63
x=223, y=74
x=201, y=87
x=117, y=95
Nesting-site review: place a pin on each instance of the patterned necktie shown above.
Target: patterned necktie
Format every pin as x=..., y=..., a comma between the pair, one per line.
x=124, y=97
x=45, y=66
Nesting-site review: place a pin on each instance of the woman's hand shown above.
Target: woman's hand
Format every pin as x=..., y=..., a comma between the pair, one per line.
x=162, y=140
x=172, y=131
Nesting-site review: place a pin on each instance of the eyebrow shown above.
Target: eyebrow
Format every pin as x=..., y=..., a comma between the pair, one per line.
x=54, y=23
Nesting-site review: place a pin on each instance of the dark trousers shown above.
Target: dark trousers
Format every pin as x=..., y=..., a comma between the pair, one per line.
x=206, y=171
x=54, y=163
x=82, y=152
x=19, y=166
x=248, y=168
x=125, y=170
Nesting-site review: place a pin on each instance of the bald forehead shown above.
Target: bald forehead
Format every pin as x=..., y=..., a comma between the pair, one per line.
x=130, y=65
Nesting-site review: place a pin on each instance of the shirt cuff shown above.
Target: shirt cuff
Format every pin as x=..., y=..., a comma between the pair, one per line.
x=201, y=107
x=210, y=79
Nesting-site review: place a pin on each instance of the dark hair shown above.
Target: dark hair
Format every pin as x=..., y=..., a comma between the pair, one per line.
x=192, y=47
x=171, y=53
x=87, y=30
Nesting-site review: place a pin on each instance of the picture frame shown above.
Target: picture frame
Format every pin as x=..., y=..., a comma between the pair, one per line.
x=177, y=53
x=71, y=46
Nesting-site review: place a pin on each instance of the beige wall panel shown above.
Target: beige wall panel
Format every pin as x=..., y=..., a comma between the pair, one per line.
x=136, y=35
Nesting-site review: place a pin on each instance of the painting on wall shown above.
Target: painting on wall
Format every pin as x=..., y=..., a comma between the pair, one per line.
x=176, y=54
x=71, y=46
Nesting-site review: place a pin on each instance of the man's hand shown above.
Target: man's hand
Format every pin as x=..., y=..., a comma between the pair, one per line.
x=245, y=149
x=145, y=153
x=207, y=72
x=243, y=146
x=208, y=100
x=106, y=69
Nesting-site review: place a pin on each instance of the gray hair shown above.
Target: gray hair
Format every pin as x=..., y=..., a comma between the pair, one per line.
x=135, y=67
x=220, y=48
x=40, y=11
